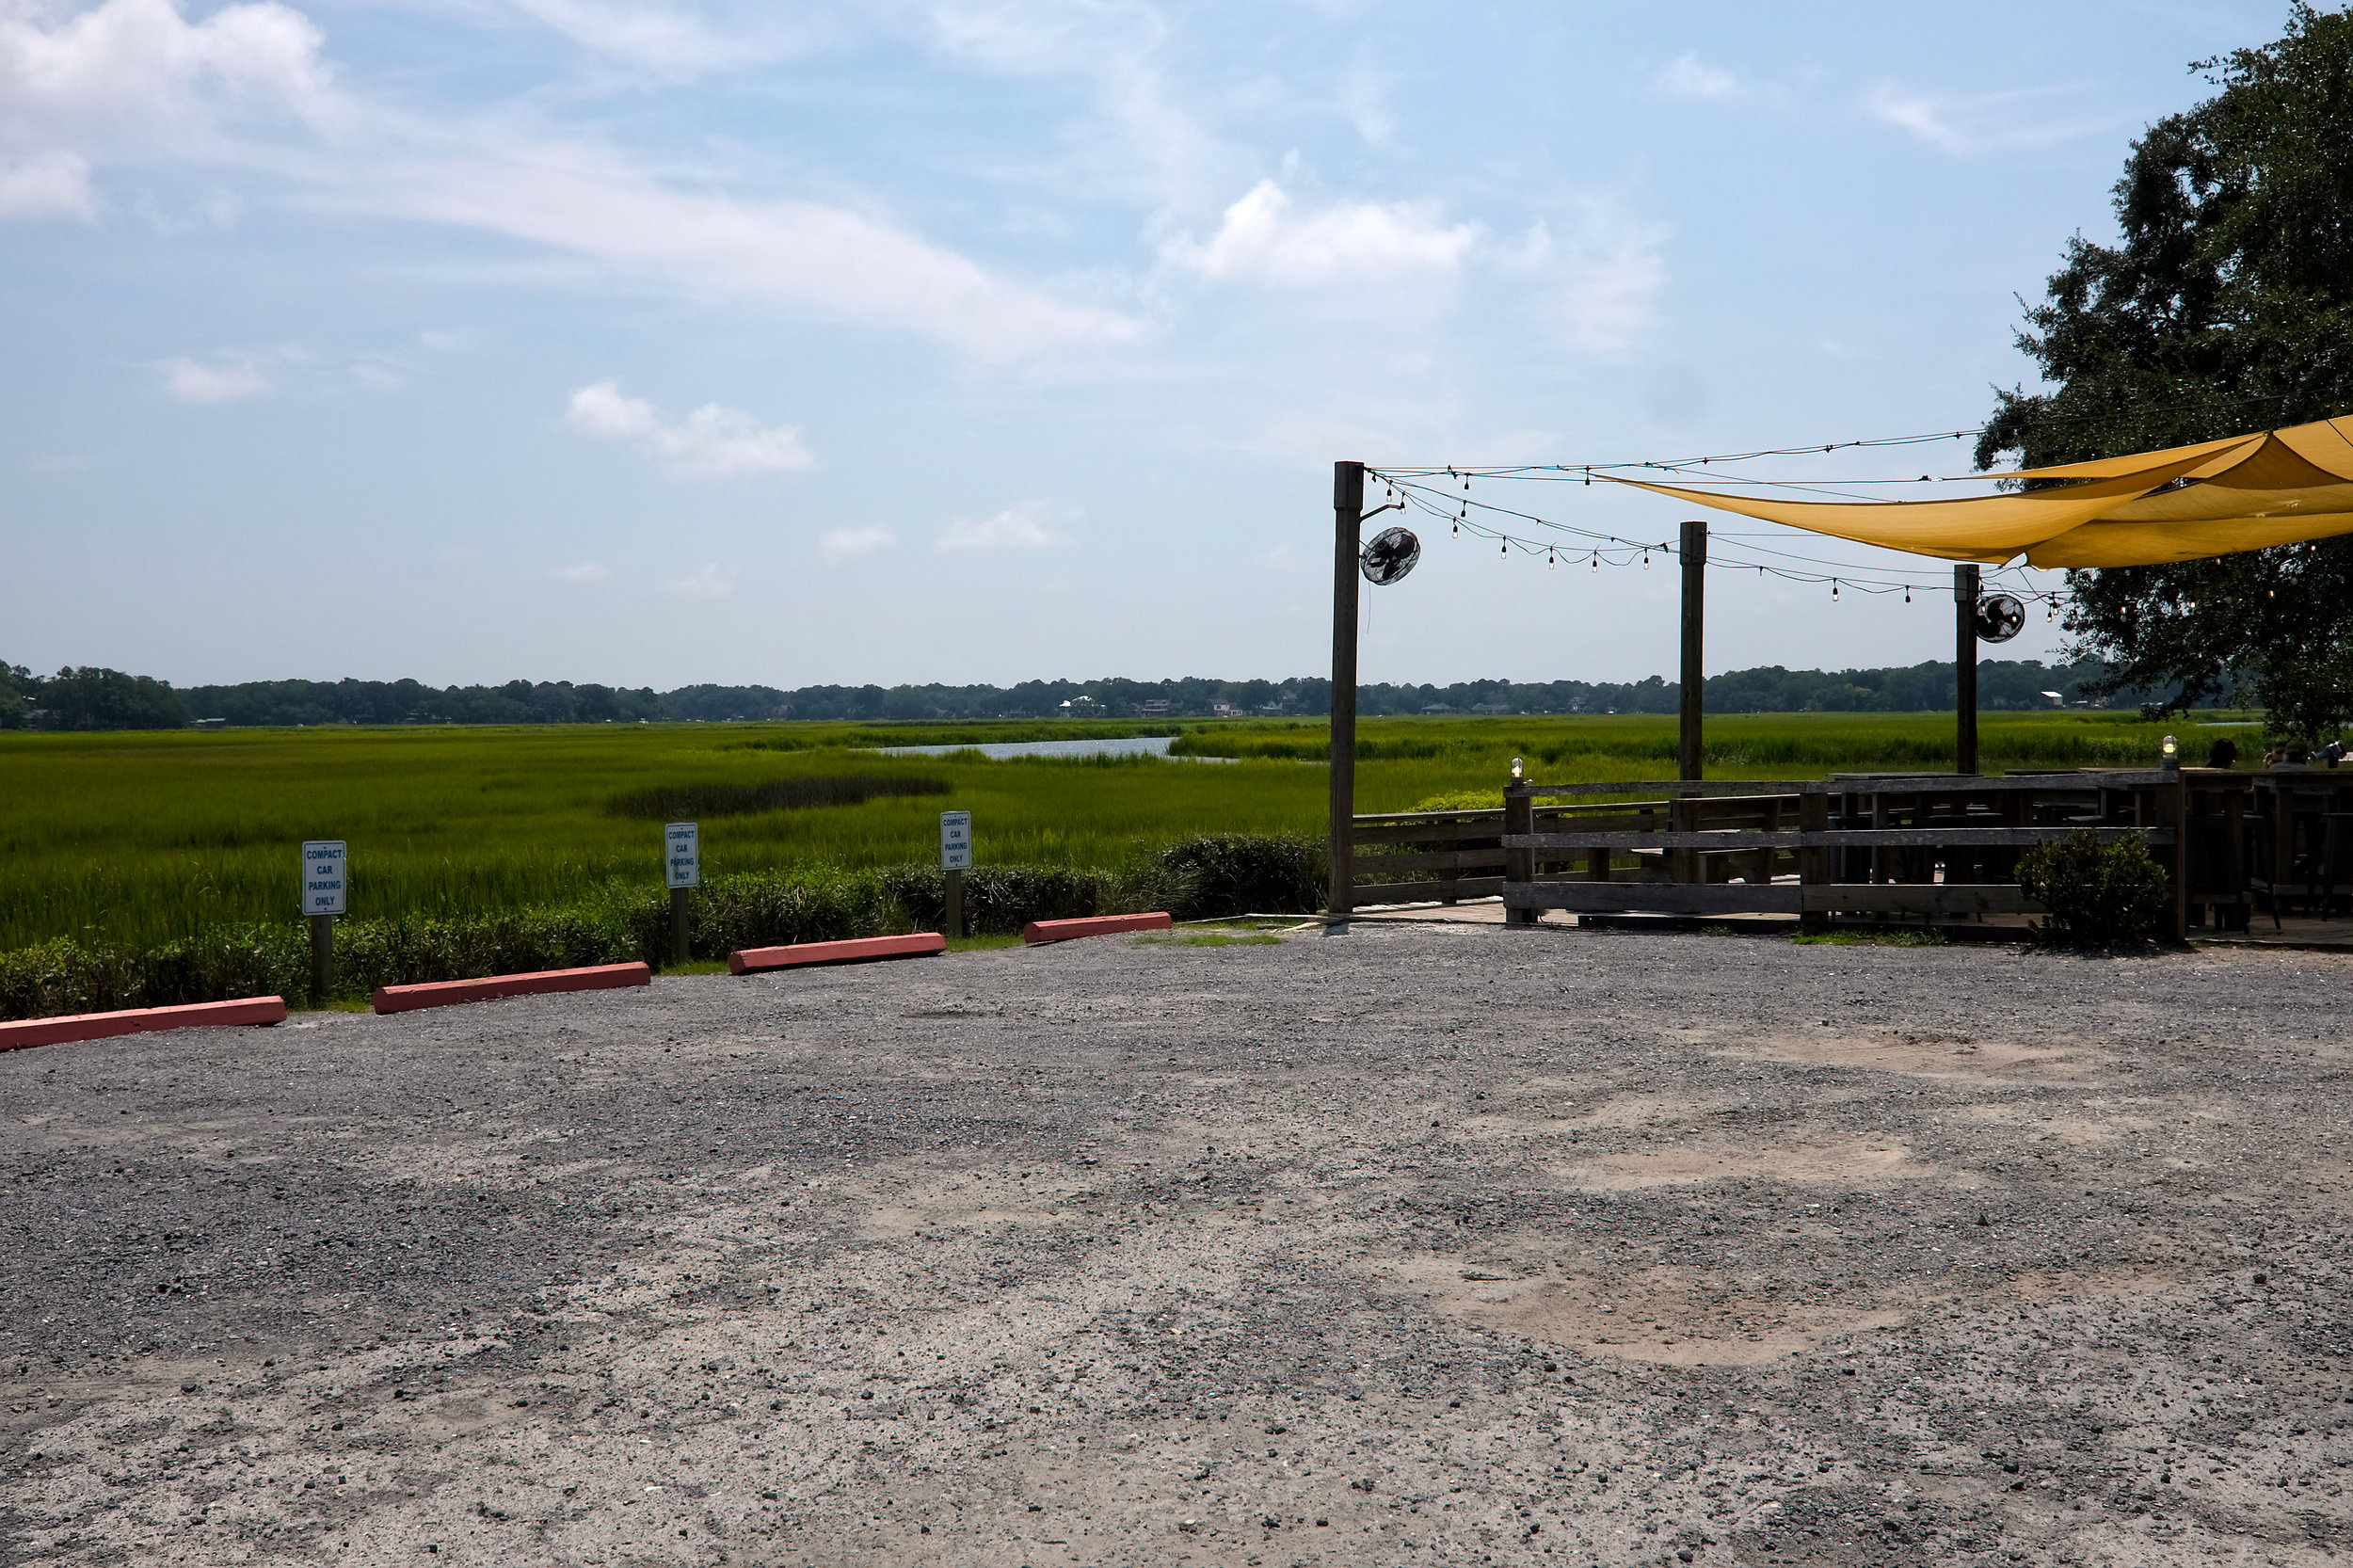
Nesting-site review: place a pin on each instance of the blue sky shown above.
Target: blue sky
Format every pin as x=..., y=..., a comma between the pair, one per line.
x=658, y=343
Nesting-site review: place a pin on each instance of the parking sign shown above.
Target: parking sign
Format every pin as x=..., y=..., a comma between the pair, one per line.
x=683, y=841
x=324, y=862
x=956, y=841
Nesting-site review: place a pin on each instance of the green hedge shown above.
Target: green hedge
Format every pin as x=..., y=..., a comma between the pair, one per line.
x=1198, y=878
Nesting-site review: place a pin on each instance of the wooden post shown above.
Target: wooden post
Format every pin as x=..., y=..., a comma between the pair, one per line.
x=322, y=959
x=681, y=928
x=1348, y=516
x=1965, y=669
x=1519, y=865
x=1814, y=865
x=2170, y=808
x=1694, y=619
x=951, y=889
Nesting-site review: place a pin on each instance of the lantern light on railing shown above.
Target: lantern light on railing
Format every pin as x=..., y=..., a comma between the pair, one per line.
x=1518, y=767
x=2170, y=752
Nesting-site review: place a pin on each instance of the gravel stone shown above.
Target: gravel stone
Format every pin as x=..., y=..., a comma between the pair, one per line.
x=1419, y=1246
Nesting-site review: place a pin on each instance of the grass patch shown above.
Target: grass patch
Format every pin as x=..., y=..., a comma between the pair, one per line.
x=691, y=802
x=994, y=941
x=1897, y=937
x=137, y=839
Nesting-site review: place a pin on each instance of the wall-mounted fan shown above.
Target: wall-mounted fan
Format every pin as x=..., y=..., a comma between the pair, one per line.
x=1389, y=556
x=1999, y=618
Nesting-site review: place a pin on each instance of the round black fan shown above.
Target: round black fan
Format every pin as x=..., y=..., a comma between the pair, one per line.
x=1999, y=618
x=1389, y=556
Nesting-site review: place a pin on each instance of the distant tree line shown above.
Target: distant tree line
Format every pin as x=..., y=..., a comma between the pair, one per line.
x=86, y=698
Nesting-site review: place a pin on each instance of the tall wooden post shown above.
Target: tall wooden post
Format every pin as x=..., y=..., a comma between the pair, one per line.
x=1965, y=669
x=1694, y=624
x=1348, y=516
x=681, y=925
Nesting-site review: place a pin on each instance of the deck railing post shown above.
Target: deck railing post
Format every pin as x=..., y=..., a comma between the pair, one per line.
x=2170, y=807
x=1519, y=865
x=1812, y=864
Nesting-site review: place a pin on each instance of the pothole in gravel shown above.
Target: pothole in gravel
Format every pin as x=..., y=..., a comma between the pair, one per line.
x=1923, y=1055
x=1672, y=1316
x=1849, y=1161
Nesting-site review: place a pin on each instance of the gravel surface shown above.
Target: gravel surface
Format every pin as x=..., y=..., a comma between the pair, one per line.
x=1423, y=1246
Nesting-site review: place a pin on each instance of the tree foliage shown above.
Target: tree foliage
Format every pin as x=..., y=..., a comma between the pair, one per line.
x=2225, y=307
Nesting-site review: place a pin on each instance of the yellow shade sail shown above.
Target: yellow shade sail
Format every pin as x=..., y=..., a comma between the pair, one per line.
x=2185, y=504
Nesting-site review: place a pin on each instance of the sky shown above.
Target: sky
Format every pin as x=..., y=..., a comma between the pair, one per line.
x=651, y=343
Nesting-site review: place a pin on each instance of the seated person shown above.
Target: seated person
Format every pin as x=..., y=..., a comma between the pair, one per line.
x=2223, y=754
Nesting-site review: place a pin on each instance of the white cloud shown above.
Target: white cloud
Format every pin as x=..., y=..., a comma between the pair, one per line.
x=1262, y=239
x=1020, y=527
x=711, y=442
x=586, y=571
x=132, y=62
x=658, y=40
x=46, y=184
x=1608, y=274
x=837, y=545
x=137, y=73
x=1988, y=123
x=712, y=581
x=193, y=382
x=1687, y=76
x=801, y=254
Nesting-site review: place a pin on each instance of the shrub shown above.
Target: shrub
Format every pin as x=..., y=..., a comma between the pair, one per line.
x=1198, y=877
x=1002, y=899
x=774, y=909
x=2098, y=895
x=1246, y=874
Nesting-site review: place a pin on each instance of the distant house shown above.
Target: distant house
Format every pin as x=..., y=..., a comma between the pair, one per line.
x=1491, y=707
x=1438, y=708
x=1225, y=710
x=1077, y=707
x=1154, y=709
x=208, y=723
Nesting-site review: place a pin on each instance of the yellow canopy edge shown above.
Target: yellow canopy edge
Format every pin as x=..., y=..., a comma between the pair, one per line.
x=2184, y=503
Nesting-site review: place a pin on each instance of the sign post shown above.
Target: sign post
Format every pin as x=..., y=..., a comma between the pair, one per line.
x=956, y=858
x=325, y=863
x=683, y=857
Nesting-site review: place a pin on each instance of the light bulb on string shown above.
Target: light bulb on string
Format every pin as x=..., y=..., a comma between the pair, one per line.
x=1907, y=593
x=1833, y=582
x=1646, y=560
x=1550, y=560
x=1595, y=560
x=1504, y=548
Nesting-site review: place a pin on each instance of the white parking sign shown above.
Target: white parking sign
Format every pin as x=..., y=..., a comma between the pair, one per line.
x=683, y=841
x=956, y=841
x=322, y=865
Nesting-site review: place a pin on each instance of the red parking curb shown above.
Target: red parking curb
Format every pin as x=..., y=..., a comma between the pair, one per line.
x=1094, y=925
x=922, y=944
x=448, y=993
x=139, y=1020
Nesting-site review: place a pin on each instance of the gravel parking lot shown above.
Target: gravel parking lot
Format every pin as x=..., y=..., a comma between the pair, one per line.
x=1423, y=1246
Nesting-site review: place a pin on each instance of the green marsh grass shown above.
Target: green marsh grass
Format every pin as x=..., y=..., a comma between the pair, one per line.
x=143, y=838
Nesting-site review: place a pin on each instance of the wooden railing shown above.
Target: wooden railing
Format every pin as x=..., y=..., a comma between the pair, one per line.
x=1933, y=846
